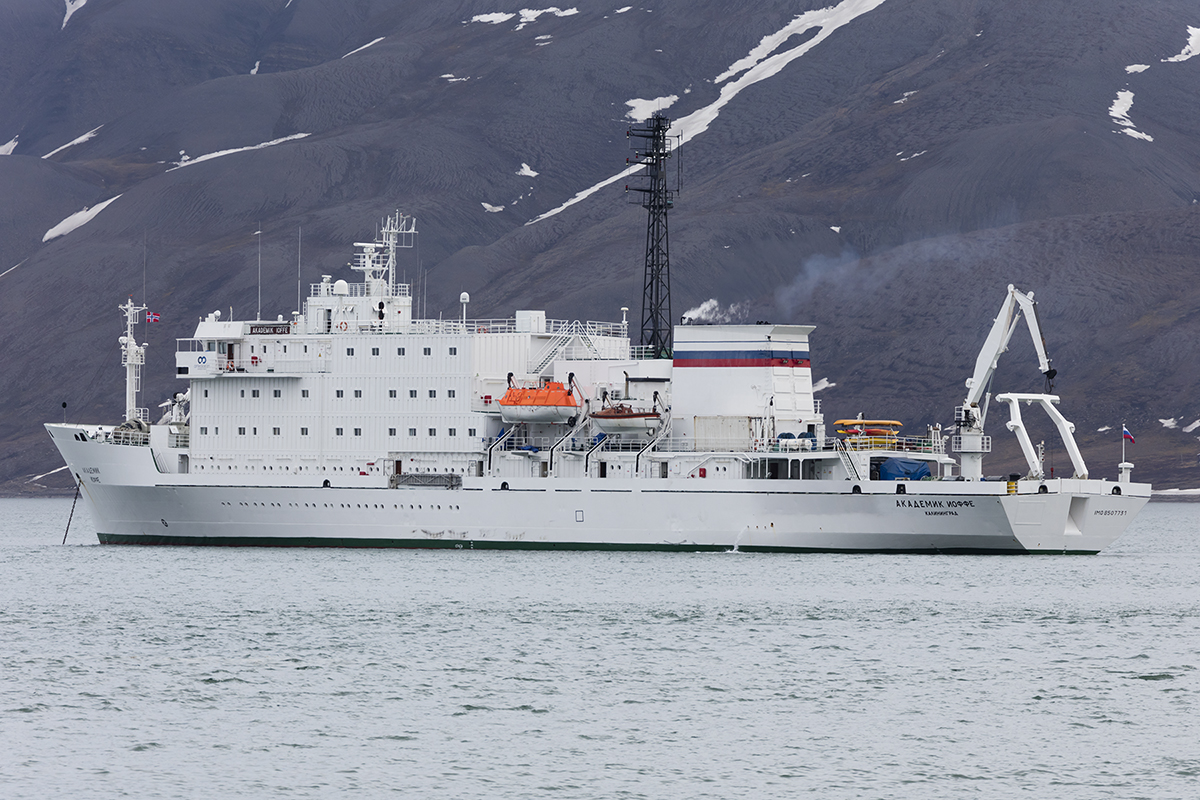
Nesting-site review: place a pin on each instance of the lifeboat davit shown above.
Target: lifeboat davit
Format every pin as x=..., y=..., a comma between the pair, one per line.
x=549, y=403
x=623, y=419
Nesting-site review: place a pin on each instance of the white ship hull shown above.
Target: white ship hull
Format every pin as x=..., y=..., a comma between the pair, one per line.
x=1072, y=516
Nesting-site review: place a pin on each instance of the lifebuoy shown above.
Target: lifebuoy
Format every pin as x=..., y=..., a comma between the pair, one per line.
x=229, y=366
x=342, y=326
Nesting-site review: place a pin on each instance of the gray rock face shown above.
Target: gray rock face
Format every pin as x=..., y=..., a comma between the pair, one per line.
x=882, y=169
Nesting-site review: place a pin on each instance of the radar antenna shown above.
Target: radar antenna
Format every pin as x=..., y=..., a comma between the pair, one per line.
x=377, y=260
x=133, y=356
x=657, y=199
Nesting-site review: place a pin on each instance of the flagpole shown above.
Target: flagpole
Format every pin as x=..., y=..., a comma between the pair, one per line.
x=1123, y=429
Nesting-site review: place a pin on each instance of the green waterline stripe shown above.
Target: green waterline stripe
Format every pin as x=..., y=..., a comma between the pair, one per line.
x=477, y=544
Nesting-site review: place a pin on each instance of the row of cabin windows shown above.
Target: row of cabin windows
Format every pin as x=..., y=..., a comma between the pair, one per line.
x=223, y=348
x=451, y=393
x=428, y=351
x=337, y=431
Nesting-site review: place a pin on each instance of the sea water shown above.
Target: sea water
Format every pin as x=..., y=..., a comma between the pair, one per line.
x=160, y=672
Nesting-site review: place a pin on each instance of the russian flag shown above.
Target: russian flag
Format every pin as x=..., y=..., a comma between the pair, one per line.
x=1127, y=434
x=152, y=316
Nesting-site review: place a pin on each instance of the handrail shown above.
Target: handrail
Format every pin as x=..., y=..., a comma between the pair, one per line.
x=663, y=429
x=504, y=437
x=584, y=422
x=847, y=459
x=603, y=440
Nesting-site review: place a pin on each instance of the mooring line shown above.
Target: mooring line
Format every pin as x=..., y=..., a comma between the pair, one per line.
x=73, y=502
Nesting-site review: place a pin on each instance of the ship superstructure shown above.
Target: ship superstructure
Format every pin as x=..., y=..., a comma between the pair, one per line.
x=357, y=423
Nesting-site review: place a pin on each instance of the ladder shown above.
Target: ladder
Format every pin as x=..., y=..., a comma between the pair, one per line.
x=847, y=460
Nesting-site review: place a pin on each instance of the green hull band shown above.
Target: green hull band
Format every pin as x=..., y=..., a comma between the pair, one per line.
x=477, y=544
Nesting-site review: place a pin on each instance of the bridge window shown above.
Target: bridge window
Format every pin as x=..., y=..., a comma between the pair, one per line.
x=337, y=432
x=349, y=351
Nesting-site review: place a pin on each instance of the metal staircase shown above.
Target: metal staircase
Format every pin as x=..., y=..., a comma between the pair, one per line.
x=847, y=460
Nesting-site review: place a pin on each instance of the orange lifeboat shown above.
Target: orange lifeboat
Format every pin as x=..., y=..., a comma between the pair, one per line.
x=549, y=403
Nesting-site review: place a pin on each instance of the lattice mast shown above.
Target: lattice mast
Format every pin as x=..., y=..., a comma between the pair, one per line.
x=658, y=195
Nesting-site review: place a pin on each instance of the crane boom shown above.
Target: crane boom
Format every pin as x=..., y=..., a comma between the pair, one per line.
x=997, y=342
x=971, y=442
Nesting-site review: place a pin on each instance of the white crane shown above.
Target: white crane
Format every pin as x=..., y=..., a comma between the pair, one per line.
x=971, y=416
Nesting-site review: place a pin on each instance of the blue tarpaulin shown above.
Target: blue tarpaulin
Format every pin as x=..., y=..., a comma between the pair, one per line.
x=895, y=469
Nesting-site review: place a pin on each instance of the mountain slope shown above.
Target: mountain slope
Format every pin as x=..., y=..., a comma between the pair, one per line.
x=882, y=168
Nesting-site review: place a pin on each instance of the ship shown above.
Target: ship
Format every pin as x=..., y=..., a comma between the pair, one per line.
x=357, y=423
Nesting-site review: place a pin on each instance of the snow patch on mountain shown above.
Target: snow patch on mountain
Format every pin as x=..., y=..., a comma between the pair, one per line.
x=77, y=219
x=1192, y=427
x=1132, y=68
x=185, y=161
x=355, y=50
x=827, y=19
x=72, y=7
x=7, y=149
x=1119, y=111
x=491, y=209
x=822, y=384
x=1170, y=423
x=494, y=18
x=530, y=15
x=89, y=135
x=255, y=70
x=642, y=110
x=1192, y=48
x=10, y=269
x=527, y=15
x=1105, y=428
x=526, y=171
x=623, y=10
x=904, y=99
x=757, y=66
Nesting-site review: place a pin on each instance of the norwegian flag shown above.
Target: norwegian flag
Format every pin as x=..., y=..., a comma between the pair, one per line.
x=152, y=316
